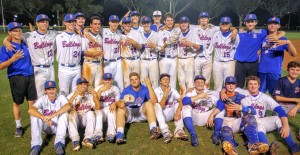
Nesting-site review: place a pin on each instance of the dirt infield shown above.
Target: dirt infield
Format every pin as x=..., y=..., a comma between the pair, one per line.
x=287, y=57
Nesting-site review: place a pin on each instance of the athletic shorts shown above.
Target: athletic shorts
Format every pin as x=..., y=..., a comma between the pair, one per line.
x=21, y=87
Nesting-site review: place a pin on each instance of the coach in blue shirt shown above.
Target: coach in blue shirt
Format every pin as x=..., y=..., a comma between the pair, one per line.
x=247, y=52
x=19, y=72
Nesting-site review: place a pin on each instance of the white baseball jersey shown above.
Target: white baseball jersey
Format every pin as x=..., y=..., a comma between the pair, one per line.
x=186, y=51
x=82, y=104
x=224, y=47
x=86, y=44
x=260, y=103
x=69, y=48
x=48, y=108
x=41, y=46
x=111, y=43
x=128, y=51
x=203, y=105
x=171, y=99
x=109, y=96
x=172, y=37
x=150, y=53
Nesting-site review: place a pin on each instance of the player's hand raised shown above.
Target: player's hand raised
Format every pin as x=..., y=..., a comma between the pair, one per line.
x=147, y=81
x=167, y=91
x=18, y=55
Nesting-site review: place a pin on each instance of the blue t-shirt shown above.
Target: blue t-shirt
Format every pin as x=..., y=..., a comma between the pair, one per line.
x=271, y=57
x=287, y=89
x=250, y=43
x=22, y=66
x=153, y=27
x=140, y=97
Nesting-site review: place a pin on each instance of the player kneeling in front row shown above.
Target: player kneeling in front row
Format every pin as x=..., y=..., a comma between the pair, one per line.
x=136, y=106
x=236, y=118
x=108, y=95
x=46, y=116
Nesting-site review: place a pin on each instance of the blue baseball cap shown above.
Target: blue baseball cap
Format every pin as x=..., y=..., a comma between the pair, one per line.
x=79, y=14
x=225, y=20
x=163, y=75
x=184, y=19
x=250, y=17
x=126, y=20
x=41, y=17
x=107, y=76
x=199, y=77
x=203, y=14
x=13, y=25
x=230, y=79
x=146, y=19
x=81, y=80
x=114, y=18
x=69, y=17
x=50, y=84
x=134, y=13
x=274, y=20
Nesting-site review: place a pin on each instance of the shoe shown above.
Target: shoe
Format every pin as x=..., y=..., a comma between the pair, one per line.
x=98, y=140
x=229, y=148
x=76, y=146
x=194, y=140
x=258, y=148
x=155, y=133
x=19, y=132
x=167, y=137
x=273, y=148
x=295, y=149
x=120, y=138
x=35, y=150
x=215, y=139
x=110, y=138
x=181, y=135
x=298, y=137
x=60, y=148
x=88, y=143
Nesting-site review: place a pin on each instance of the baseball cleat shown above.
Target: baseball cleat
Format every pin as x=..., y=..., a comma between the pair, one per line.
x=274, y=147
x=88, y=143
x=19, y=132
x=35, y=150
x=215, y=139
x=110, y=138
x=120, y=138
x=155, y=133
x=60, y=148
x=258, y=148
x=76, y=146
x=98, y=140
x=167, y=137
x=181, y=135
x=194, y=140
x=295, y=149
x=229, y=148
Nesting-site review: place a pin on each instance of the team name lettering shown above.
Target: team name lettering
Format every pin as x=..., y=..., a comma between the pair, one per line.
x=70, y=44
x=48, y=112
x=41, y=45
x=222, y=46
x=256, y=106
x=92, y=45
x=107, y=99
x=111, y=41
x=204, y=37
x=83, y=107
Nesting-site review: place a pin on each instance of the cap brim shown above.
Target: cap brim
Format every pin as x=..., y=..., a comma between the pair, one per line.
x=44, y=19
x=15, y=28
x=50, y=87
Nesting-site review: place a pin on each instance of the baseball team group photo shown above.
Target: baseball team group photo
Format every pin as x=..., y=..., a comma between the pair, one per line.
x=123, y=77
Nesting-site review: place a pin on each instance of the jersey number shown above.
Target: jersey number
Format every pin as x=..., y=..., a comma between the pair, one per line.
x=50, y=53
x=226, y=54
x=76, y=54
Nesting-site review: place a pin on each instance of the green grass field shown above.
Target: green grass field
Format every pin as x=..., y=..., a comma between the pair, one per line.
x=137, y=136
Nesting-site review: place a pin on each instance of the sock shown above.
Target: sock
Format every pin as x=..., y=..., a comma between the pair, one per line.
x=120, y=129
x=262, y=137
x=188, y=121
x=18, y=123
x=152, y=125
x=218, y=125
x=289, y=140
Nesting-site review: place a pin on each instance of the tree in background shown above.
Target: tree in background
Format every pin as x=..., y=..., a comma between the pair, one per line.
x=58, y=9
x=279, y=8
x=213, y=7
x=88, y=7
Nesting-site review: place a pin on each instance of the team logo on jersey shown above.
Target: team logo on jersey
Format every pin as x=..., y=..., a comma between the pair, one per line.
x=254, y=35
x=111, y=41
x=222, y=46
x=257, y=106
x=297, y=90
x=48, y=112
x=71, y=44
x=43, y=44
x=94, y=45
x=204, y=37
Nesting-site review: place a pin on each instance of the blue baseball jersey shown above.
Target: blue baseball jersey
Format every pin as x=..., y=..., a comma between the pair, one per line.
x=22, y=66
x=250, y=43
x=271, y=57
x=285, y=88
x=140, y=97
x=153, y=27
x=221, y=105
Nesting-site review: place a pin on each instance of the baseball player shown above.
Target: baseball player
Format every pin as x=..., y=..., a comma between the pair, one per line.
x=131, y=44
x=167, y=59
x=108, y=95
x=169, y=101
x=136, y=105
x=153, y=44
x=111, y=47
x=224, y=48
x=234, y=115
x=82, y=101
x=156, y=21
x=80, y=21
x=196, y=105
x=135, y=18
x=272, y=53
x=46, y=116
x=262, y=102
x=93, y=66
x=19, y=72
x=189, y=44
